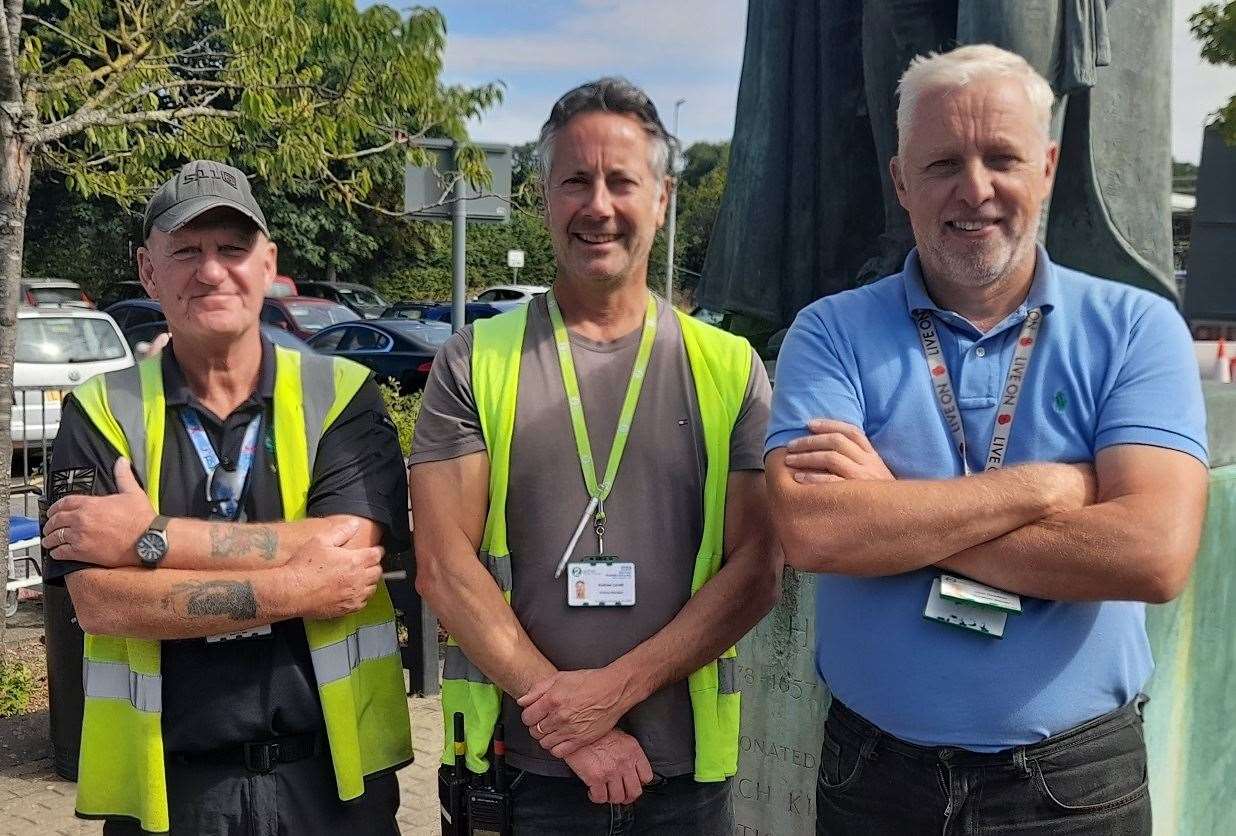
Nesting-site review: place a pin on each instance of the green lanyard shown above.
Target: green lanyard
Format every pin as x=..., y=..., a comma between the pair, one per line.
x=570, y=383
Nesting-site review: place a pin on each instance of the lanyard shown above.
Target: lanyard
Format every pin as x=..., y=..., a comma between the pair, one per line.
x=599, y=491
x=229, y=506
x=1010, y=394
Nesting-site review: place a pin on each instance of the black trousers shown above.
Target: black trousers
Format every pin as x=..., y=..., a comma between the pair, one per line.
x=1090, y=779
x=295, y=799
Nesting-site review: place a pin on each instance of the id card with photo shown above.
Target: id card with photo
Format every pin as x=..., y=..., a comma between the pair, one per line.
x=600, y=583
x=980, y=619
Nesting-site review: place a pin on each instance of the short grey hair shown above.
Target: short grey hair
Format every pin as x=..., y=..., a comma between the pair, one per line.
x=608, y=95
x=965, y=65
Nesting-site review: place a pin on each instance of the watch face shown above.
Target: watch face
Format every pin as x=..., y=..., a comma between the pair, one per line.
x=151, y=548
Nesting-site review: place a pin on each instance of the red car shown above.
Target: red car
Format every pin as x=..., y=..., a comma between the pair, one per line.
x=303, y=315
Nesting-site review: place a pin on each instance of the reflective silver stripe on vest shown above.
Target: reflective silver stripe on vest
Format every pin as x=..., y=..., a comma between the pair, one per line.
x=499, y=567
x=124, y=400
x=457, y=666
x=114, y=681
x=335, y=661
x=727, y=676
x=317, y=385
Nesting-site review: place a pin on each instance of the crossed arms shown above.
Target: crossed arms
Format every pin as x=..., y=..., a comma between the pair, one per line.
x=1125, y=529
x=577, y=710
x=217, y=577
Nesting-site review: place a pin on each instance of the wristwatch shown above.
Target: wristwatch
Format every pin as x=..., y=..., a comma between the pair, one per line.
x=152, y=546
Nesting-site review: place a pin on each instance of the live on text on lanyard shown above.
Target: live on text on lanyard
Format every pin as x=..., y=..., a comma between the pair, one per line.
x=600, y=580
x=953, y=600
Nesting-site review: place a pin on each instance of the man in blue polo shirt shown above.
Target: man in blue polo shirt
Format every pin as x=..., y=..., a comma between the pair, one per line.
x=992, y=462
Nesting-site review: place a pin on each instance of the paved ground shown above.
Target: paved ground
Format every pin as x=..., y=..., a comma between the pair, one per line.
x=35, y=802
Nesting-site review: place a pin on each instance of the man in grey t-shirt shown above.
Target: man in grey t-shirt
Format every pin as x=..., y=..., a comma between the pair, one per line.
x=596, y=703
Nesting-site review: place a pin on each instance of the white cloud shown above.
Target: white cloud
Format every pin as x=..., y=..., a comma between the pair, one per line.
x=688, y=49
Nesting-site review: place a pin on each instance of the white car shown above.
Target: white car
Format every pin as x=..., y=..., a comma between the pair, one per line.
x=57, y=349
x=518, y=293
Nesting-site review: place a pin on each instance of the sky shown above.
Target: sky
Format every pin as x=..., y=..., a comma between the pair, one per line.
x=686, y=49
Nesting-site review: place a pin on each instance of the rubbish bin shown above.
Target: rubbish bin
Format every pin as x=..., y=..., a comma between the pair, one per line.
x=64, y=639
x=64, y=678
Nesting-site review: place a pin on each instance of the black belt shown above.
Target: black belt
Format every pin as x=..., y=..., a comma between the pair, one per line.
x=261, y=756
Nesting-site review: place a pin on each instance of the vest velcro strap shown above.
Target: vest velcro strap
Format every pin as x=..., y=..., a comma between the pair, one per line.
x=499, y=567
x=457, y=666
x=727, y=676
x=114, y=681
x=335, y=661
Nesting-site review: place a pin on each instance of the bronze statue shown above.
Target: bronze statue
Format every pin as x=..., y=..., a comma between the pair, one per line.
x=809, y=208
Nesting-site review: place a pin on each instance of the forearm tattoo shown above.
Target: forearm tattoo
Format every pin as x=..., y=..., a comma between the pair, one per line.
x=234, y=540
x=232, y=599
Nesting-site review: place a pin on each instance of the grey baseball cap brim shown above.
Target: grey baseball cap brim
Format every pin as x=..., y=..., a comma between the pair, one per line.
x=184, y=212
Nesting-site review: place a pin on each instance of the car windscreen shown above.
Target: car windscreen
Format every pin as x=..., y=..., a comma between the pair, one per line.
x=432, y=334
x=359, y=296
x=53, y=295
x=65, y=339
x=317, y=317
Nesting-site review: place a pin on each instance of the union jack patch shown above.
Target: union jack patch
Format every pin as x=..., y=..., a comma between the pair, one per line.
x=74, y=480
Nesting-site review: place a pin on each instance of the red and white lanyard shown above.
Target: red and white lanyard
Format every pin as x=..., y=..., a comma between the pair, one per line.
x=942, y=385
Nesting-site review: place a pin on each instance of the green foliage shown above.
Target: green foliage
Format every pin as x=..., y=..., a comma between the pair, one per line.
x=300, y=93
x=86, y=240
x=698, y=204
x=1215, y=26
x=16, y=685
x=403, y=410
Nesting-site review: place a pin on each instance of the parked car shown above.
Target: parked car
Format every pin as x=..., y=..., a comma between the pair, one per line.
x=407, y=310
x=522, y=293
x=283, y=286
x=364, y=300
x=121, y=291
x=304, y=316
x=54, y=292
x=58, y=348
x=472, y=312
x=400, y=350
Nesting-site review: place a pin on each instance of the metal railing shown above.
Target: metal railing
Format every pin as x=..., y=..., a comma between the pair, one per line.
x=34, y=420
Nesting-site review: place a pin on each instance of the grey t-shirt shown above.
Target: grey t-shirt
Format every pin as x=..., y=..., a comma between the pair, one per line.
x=654, y=514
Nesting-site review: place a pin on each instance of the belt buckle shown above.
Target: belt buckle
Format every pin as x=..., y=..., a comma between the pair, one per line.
x=261, y=757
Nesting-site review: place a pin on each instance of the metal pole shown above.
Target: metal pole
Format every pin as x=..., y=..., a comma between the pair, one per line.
x=673, y=216
x=459, y=239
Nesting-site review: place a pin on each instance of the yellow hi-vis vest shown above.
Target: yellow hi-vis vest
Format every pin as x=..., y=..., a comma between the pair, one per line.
x=721, y=367
x=355, y=657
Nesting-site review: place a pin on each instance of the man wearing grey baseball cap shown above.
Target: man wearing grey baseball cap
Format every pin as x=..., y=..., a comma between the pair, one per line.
x=241, y=665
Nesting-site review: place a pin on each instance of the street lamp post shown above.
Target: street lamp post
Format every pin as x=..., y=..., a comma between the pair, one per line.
x=673, y=214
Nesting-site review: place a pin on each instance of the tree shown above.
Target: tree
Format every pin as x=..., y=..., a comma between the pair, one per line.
x=110, y=95
x=1215, y=26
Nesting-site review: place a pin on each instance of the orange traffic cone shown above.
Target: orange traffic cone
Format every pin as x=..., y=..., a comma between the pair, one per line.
x=1222, y=371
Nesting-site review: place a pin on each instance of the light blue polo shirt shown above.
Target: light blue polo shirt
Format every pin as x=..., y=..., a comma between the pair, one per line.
x=1113, y=365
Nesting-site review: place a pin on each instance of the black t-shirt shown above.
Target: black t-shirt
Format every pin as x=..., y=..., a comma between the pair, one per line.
x=223, y=693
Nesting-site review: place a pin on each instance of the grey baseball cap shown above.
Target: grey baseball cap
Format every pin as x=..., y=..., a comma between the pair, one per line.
x=198, y=187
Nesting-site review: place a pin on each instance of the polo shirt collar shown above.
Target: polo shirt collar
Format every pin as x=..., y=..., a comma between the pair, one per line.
x=1044, y=290
x=176, y=390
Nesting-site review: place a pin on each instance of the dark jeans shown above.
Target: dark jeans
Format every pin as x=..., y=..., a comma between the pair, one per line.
x=681, y=806
x=1090, y=779
x=296, y=799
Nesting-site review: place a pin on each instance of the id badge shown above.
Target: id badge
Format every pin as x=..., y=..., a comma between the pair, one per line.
x=968, y=616
x=600, y=581
x=260, y=630
x=972, y=592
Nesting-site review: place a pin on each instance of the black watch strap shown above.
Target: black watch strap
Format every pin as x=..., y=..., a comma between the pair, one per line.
x=159, y=524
